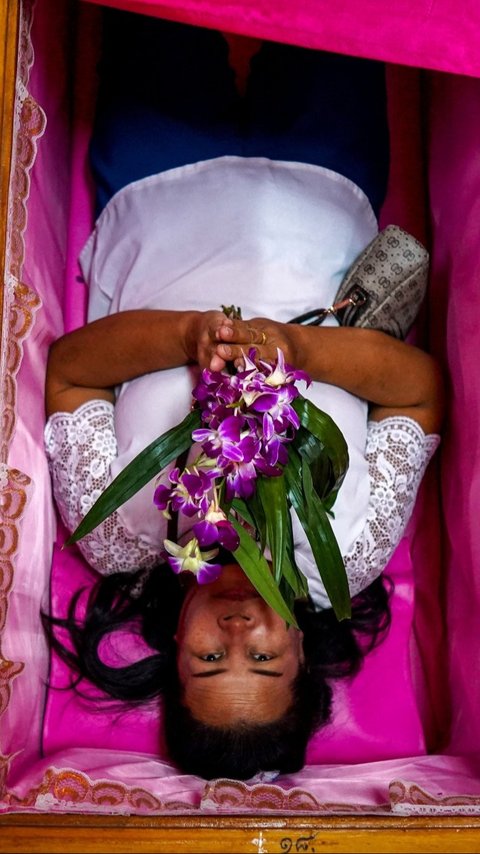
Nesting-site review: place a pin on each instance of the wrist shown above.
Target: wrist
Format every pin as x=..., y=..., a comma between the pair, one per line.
x=300, y=344
x=188, y=334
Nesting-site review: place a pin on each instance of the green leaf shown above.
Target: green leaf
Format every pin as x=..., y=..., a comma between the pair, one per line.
x=322, y=426
x=145, y=466
x=273, y=497
x=316, y=525
x=287, y=593
x=330, y=441
x=240, y=506
x=251, y=509
x=257, y=570
x=312, y=450
x=293, y=576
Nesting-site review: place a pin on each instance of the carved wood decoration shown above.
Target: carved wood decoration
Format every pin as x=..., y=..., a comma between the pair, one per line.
x=21, y=123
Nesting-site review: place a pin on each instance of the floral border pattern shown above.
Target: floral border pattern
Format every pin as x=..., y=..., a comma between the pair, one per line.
x=19, y=306
x=69, y=790
x=235, y=796
x=411, y=799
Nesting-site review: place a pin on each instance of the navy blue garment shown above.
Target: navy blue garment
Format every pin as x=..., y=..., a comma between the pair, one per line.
x=167, y=97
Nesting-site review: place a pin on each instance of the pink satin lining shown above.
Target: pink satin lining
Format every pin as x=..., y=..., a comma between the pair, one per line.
x=421, y=689
x=366, y=709
x=364, y=729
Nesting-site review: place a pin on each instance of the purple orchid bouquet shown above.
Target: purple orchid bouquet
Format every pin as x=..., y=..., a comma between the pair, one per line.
x=257, y=451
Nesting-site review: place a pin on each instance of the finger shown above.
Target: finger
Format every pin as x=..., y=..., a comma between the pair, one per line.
x=235, y=330
x=236, y=353
x=248, y=333
x=227, y=352
x=225, y=331
x=217, y=363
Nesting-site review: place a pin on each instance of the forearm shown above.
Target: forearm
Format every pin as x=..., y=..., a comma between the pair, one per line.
x=395, y=377
x=367, y=363
x=93, y=359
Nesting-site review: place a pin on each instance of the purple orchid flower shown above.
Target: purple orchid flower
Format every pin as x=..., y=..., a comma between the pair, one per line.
x=190, y=558
x=279, y=373
x=240, y=480
x=214, y=528
x=189, y=493
x=248, y=421
x=224, y=440
x=162, y=496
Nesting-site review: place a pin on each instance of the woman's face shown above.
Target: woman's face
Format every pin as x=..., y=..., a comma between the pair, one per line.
x=236, y=657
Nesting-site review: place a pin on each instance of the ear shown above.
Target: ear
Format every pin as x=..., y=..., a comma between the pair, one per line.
x=301, y=652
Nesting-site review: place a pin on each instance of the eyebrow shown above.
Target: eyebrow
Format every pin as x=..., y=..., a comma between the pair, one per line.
x=207, y=673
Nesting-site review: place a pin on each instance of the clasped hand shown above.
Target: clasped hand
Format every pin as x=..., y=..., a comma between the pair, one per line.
x=221, y=339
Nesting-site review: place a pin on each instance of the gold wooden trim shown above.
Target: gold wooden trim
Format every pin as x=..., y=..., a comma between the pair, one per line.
x=262, y=834
x=230, y=835
x=9, y=27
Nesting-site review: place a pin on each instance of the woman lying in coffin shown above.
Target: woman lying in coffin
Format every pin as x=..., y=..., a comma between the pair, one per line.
x=206, y=199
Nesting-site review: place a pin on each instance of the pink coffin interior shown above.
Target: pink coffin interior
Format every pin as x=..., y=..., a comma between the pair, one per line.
x=410, y=716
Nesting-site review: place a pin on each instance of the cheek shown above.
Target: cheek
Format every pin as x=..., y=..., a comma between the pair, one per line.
x=196, y=629
x=193, y=616
x=183, y=667
x=198, y=634
x=299, y=647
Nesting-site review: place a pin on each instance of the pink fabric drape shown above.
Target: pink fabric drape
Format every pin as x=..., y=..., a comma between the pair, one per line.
x=439, y=34
x=454, y=181
x=435, y=187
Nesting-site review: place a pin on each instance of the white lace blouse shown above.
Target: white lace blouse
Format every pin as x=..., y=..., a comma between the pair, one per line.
x=275, y=238
x=81, y=447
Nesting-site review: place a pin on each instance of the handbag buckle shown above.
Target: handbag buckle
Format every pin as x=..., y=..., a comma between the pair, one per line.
x=356, y=298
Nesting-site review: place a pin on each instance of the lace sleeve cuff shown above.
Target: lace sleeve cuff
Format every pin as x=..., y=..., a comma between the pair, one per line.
x=80, y=447
x=398, y=452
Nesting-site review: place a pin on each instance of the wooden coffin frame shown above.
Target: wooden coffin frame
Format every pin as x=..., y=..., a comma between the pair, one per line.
x=87, y=833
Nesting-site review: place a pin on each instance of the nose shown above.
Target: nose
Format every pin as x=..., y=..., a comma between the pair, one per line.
x=236, y=621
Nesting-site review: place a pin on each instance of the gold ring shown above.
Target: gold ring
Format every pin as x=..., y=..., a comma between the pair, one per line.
x=253, y=334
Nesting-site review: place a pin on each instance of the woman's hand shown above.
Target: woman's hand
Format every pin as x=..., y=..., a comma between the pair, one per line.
x=396, y=378
x=213, y=339
x=203, y=331
x=89, y=362
x=235, y=339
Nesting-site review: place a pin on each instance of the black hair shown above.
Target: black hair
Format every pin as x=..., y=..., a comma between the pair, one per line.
x=243, y=749
x=149, y=603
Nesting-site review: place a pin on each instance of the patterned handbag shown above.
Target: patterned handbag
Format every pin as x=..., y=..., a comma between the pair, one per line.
x=384, y=287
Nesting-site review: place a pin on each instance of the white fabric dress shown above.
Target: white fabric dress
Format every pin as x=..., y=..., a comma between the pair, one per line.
x=276, y=239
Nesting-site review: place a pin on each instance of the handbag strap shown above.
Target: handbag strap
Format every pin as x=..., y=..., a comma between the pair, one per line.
x=357, y=297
